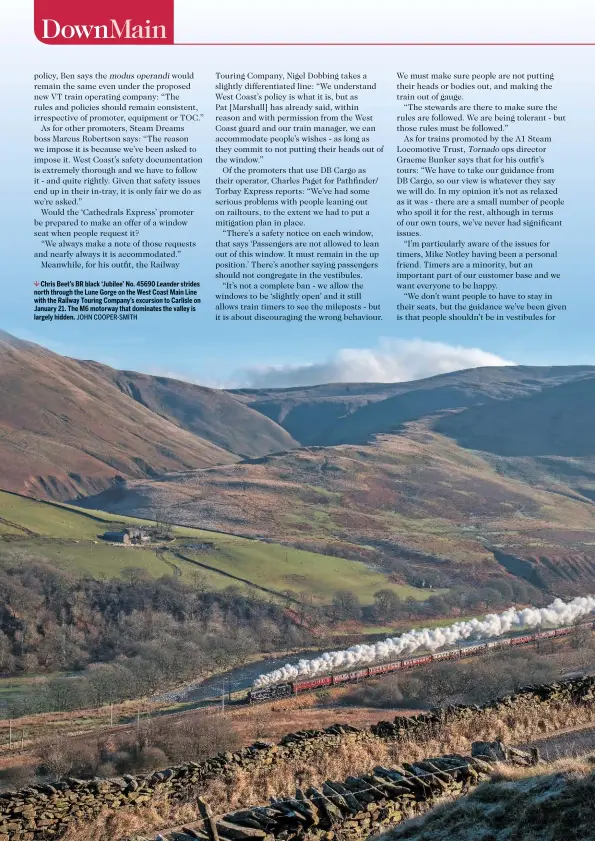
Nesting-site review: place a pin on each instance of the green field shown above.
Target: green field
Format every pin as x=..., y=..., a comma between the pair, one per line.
x=50, y=519
x=70, y=538
x=13, y=687
x=283, y=568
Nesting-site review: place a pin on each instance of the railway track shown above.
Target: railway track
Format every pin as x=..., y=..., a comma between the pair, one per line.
x=285, y=690
x=290, y=688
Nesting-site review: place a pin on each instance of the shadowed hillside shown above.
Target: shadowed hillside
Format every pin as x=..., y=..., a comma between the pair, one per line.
x=207, y=412
x=558, y=421
x=352, y=413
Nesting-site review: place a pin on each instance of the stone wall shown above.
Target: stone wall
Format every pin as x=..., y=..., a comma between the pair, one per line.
x=45, y=811
x=578, y=692
x=355, y=807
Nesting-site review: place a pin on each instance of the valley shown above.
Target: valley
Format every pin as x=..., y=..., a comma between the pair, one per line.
x=158, y=537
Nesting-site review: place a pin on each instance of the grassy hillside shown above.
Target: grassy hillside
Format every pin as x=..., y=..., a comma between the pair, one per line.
x=286, y=569
x=70, y=538
x=551, y=803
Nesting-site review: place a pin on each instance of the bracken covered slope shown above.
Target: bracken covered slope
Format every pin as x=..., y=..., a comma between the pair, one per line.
x=69, y=428
x=210, y=413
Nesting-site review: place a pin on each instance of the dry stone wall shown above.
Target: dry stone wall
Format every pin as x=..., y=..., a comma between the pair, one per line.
x=45, y=811
x=355, y=807
x=578, y=692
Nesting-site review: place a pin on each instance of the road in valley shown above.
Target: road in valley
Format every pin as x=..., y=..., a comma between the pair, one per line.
x=567, y=743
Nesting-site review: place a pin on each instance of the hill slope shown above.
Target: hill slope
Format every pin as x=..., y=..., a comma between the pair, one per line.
x=207, y=412
x=68, y=537
x=68, y=428
x=554, y=805
x=558, y=421
x=430, y=509
x=490, y=468
x=352, y=413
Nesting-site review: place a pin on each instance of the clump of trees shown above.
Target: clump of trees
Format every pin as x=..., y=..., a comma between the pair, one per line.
x=388, y=606
x=125, y=637
x=154, y=744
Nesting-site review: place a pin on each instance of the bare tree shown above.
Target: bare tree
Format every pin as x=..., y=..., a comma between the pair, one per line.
x=163, y=524
x=580, y=636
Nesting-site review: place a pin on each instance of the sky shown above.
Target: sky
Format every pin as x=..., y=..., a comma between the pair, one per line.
x=197, y=348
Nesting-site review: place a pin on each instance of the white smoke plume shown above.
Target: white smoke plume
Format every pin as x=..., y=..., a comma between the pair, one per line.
x=556, y=614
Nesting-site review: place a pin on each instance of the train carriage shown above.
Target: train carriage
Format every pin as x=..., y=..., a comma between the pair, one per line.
x=312, y=683
x=471, y=650
x=496, y=644
x=523, y=640
x=412, y=662
x=447, y=655
x=346, y=677
x=385, y=668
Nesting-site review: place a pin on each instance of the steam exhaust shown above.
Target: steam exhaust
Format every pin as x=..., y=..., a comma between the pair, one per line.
x=557, y=614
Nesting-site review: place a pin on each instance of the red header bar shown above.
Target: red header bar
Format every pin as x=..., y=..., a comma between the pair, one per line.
x=107, y=22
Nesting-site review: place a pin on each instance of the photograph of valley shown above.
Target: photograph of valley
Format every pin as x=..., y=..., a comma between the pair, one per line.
x=320, y=612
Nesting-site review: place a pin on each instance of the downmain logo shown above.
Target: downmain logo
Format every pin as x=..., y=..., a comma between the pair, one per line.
x=107, y=22
x=112, y=30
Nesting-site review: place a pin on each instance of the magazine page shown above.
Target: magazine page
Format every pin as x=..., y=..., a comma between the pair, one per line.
x=297, y=400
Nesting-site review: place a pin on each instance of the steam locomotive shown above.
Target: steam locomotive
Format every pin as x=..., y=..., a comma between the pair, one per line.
x=286, y=690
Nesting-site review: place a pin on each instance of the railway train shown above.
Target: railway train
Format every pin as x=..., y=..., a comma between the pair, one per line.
x=286, y=690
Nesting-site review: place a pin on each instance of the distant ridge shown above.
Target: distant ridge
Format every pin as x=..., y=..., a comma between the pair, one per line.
x=351, y=413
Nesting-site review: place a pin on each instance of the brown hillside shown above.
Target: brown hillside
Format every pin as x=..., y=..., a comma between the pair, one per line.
x=209, y=413
x=66, y=430
x=549, y=803
x=417, y=498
